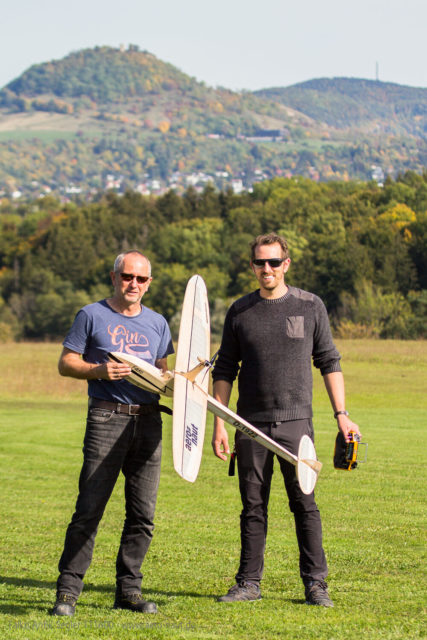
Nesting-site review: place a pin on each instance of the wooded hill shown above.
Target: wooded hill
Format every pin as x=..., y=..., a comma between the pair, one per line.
x=114, y=118
x=349, y=103
x=360, y=247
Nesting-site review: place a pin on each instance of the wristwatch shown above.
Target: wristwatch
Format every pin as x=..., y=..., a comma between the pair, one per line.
x=340, y=413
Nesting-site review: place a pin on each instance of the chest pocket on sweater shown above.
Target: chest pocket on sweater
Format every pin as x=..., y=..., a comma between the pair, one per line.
x=295, y=326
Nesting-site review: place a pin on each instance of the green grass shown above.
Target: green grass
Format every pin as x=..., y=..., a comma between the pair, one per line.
x=373, y=518
x=46, y=136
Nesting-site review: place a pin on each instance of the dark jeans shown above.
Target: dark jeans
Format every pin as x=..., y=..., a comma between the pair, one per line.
x=113, y=443
x=255, y=464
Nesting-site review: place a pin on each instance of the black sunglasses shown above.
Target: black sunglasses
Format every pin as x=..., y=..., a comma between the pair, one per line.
x=128, y=277
x=273, y=262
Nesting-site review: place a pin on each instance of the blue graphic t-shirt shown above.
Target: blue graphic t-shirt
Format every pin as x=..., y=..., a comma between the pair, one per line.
x=98, y=329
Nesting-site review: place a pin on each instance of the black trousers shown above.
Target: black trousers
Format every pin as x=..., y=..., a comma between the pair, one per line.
x=113, y=443
x=255, y=465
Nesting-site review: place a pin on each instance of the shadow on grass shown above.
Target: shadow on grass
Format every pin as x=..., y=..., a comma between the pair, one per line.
x=36, y=602
x=27, y=582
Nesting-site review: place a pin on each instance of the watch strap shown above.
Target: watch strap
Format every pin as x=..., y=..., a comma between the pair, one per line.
x=340, y=413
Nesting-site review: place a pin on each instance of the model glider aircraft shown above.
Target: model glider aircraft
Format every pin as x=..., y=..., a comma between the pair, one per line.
x=188, y=385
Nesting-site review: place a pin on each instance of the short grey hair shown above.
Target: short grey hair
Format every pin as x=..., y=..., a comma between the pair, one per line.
x=118, y=262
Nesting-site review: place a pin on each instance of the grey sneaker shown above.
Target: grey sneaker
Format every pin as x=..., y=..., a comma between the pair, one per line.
x=316, y=592
x=65, y=605
x=134, y=602
x=242, y=591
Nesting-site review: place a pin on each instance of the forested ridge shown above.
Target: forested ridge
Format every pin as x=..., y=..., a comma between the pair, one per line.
x=360, y=247
x=123, y=119
x=356, y=103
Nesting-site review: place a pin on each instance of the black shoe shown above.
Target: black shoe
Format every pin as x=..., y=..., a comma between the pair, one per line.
x=134, y=602
x=316, y=592
x=242, y=591
x=65, y=605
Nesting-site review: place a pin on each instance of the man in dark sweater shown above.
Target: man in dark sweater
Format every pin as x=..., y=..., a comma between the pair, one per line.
x=271, y=335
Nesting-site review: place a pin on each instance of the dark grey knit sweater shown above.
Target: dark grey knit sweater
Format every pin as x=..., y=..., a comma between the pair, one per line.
x=274, y=340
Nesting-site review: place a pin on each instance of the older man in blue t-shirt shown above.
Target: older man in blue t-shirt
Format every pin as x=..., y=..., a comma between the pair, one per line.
x=123, y=431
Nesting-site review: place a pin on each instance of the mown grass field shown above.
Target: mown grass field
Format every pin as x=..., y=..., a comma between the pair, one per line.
x=374, y=518
x=45, y=136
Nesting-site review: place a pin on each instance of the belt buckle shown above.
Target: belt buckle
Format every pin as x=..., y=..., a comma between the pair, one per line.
x=133, y=409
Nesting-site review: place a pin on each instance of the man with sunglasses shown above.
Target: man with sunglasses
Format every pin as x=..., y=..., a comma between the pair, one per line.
x=272, y=335
x=123, y=431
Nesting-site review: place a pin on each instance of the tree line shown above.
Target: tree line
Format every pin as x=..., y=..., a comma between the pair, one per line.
x=360, y=247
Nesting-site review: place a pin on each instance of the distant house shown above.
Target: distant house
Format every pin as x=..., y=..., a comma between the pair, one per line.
x=237, y=185
x=377, y=174
x=268, y=135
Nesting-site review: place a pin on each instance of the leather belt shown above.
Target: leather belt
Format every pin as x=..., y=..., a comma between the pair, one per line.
x=128, y=409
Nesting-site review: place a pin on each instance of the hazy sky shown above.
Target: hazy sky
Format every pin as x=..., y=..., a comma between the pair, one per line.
x=238, y=44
